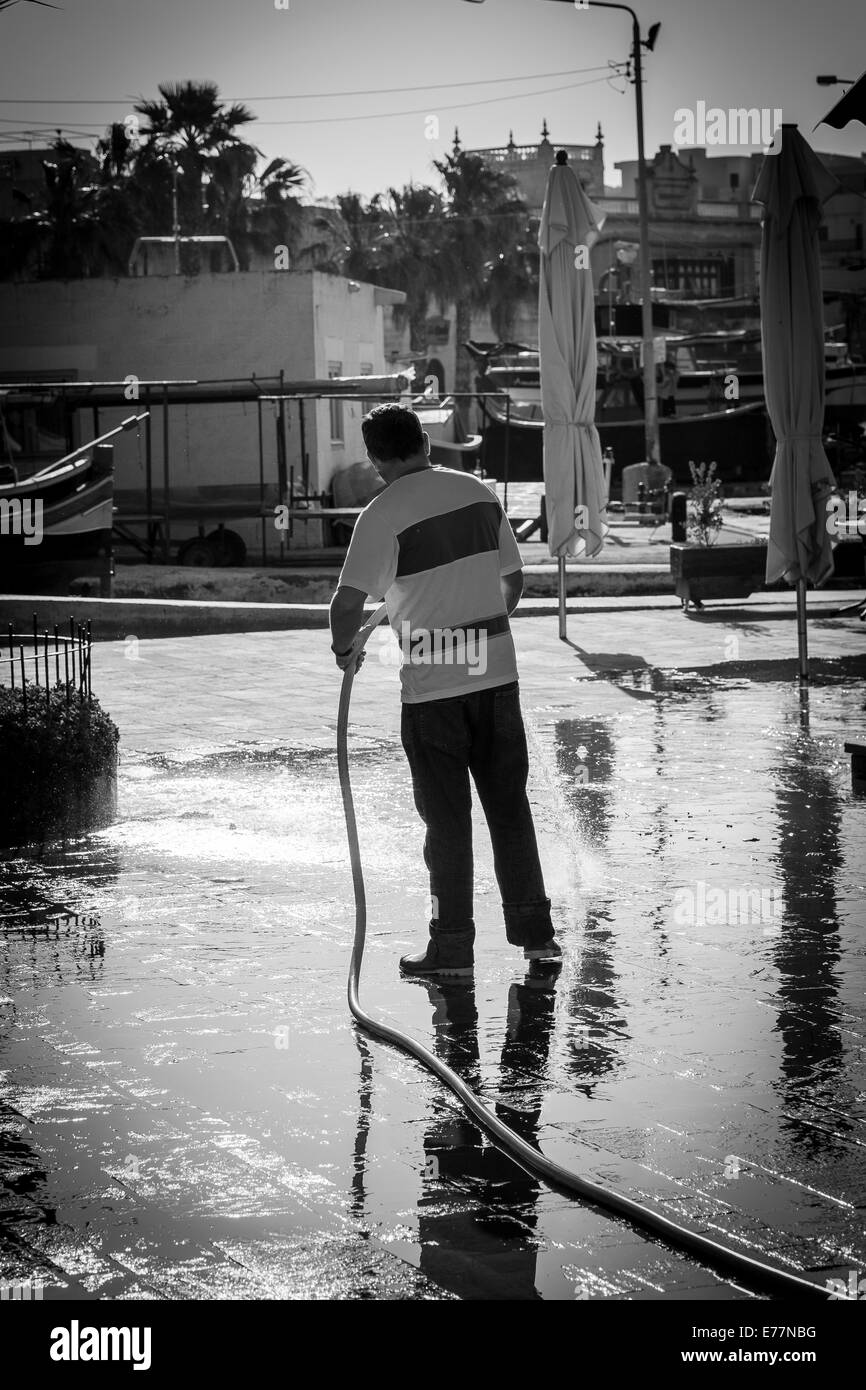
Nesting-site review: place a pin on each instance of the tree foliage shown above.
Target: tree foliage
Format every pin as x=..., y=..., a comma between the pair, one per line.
x=470, y=242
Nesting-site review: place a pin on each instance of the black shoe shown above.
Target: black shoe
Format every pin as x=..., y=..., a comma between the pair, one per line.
x=442, y=957
x=550, y=951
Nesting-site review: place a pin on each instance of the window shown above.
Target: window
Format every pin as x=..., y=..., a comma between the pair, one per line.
x=336, y=407
x=697, y=279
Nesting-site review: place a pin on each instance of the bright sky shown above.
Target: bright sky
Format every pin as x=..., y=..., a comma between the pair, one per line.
x=300, y=69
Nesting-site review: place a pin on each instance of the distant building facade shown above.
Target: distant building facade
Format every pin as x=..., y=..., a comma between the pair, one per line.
x=701, y=246
x=704, y=232
x=529, y=165
x=721, y=191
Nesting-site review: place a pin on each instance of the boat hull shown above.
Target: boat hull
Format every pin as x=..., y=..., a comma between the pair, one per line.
x=740, y=441
x=56, y=527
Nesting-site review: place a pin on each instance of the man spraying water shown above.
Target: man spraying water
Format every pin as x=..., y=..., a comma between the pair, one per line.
x=437, y=546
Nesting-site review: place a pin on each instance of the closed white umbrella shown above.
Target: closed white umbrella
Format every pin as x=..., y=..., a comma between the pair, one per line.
x=792, y=185
x=573, y=471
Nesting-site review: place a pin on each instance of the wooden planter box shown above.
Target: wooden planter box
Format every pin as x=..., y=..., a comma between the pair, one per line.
x=717, y=571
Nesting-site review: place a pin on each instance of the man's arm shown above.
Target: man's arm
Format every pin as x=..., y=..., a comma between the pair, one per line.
x=346, y=617
x=510, y=564
x=512, y=588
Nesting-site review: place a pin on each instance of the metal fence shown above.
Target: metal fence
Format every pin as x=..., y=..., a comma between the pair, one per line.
x=33, y=658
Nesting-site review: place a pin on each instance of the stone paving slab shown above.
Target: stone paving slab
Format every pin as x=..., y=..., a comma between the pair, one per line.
x=267, y=686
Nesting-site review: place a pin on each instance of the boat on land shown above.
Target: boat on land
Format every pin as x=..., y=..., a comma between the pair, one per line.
x=739, y=440
x=711, y=404
x=58, y=520
x=160, y=518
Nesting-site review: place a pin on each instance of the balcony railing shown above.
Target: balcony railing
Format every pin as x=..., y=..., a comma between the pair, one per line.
x=731, y=211
x=500, y=153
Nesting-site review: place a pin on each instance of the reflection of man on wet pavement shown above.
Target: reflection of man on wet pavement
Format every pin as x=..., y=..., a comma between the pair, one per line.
x=477, y=1215
x=437, y=546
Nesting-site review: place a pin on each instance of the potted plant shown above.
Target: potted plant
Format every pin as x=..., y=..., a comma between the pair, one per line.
x=700, y=567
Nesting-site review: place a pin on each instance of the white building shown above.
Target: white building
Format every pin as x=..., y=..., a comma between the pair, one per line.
x=204, y=328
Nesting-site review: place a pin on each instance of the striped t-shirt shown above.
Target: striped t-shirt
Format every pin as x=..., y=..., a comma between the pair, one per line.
x=434, y=544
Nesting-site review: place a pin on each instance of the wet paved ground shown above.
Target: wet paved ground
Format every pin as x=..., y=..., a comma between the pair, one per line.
x=187, y=1111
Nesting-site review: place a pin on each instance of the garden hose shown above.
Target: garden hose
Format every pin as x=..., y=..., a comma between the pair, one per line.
x=751, y=1271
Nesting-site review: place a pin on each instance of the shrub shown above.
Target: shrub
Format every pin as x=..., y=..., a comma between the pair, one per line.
x=58, y=759
x=705, y=504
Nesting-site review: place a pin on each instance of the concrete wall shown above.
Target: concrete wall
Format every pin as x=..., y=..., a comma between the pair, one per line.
x=349, y=329
x=155, y=327
x=713, y=172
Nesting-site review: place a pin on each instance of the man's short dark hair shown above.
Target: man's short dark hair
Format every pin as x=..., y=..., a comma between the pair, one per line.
x=392, y=432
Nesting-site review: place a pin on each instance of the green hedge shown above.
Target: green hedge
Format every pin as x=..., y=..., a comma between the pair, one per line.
x=58, y=763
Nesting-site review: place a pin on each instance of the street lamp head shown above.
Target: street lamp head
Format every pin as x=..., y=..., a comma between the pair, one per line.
x=825, y=81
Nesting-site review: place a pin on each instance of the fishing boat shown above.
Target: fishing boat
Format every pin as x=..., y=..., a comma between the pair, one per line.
x=738, y=440
x=704, y=360
x=160, y=517
x=737, y=437
x=711, y=404
x=58, y=521
x=450, y=443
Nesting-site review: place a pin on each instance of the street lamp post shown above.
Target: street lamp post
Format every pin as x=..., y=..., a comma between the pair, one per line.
x=171, y=153
x=175, y=220
x=651, y=414
x=651, y=411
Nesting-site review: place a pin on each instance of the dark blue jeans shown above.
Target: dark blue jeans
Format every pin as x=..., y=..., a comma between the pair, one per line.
x=481, y=734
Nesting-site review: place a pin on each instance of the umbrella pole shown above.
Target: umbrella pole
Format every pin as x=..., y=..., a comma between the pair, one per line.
x=802, y=650
x=562, y=621
x=507, y=443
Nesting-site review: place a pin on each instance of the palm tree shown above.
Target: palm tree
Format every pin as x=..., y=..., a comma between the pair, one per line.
x=407, y=255
x=327, y=249
x=275, y=212
x=362, y=223
x=192, y=116
x=512, y=279
x=191, y=127
x=128, y=195
x=78, y=228
x=485, y=219
x=226, y=211
x=394, y=240
x=91, y=210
